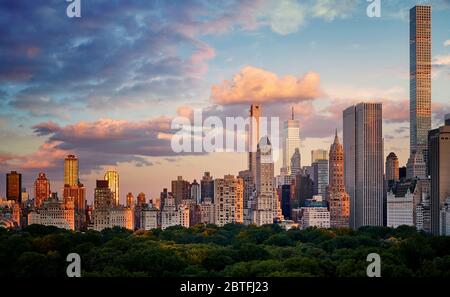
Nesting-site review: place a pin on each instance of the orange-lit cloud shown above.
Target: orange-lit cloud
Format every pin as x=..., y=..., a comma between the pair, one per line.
x=256, y=85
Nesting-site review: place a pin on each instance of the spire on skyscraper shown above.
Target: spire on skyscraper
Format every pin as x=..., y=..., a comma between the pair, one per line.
x=336, y=138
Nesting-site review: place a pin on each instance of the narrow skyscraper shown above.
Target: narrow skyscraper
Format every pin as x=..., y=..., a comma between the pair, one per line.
x=392, y=167
x=338, y=199
x=14, y=186
x=265, y=205
x=363, y=151
x=255, y=114
x=112, y=176
x=41, y=189
x=71, y=170
x=291, y=141
x=420, y=78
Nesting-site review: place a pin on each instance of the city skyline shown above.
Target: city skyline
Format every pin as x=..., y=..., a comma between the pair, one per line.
x=128, y=136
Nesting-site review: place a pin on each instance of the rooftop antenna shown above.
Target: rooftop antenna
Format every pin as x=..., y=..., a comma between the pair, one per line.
x=292, y=112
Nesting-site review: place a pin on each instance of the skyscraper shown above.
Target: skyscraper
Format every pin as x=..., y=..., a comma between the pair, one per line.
x=229, y=199
x=392, y=173
x=439, y=168
x=195, y=192
x=112, y=176
x=41, y=189
x=363, y=163
x=180, y=190
x=338, y=199
x=207, y=186
x=265, y=184
x=420, y=78
x=71, y=170
x=255, y=114
x=14, y=186
x=320, y=177
x=103, y=197
x=318, y=155
x=291, y=141
x=296, y=161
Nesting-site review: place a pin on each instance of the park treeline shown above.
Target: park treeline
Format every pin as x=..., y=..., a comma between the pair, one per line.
x=231, y=250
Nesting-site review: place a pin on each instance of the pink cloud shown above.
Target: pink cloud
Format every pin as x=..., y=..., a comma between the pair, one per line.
x=256, y=85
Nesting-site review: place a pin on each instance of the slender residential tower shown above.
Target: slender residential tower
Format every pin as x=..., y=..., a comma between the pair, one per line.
x=363, y=151
x=255, y=114
x=291, y=141
x=420, y=78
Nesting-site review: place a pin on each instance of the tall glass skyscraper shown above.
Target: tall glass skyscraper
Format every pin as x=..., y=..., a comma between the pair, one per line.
x=420, y=78
x=363, y=158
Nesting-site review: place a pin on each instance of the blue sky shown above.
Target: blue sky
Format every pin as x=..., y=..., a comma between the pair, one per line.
x=106, y=85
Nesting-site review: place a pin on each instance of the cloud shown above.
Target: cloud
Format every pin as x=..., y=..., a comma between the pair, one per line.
x=330, y=10
x=120, y=54
x=256, y=85
x=287, y=17
x=447, y=43
x=441, y=60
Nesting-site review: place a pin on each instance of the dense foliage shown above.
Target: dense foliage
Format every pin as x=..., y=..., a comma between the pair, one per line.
x=232, y=250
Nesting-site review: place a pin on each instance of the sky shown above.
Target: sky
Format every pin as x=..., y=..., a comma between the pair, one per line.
x=106, y=86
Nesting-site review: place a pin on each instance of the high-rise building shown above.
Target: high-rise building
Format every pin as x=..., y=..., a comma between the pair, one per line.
x=392, y=172
x=207, y=186
x=207, y=211
x=76, y=195
x=363, y=163
x=420, y=78
x=400, y=209
x=265, y=205
x=285, y=195
x=103, y=197
x=416, y=166
x=41, y=189
x=71, y=170
x=53, y=213
x=253, y=139
x=337, y=197
x=229, y=200
x=249, y=186
x=130, y=199
x=195, y=192
x=318, y=155
x=439, y=169
x=291, y=142
x=445, y=219
x=140, y=201
x=423, y=215
x=180, y=190
x=112, y=176
x=296, y=160
x=14, y=186
x=320, y=173
x=304, y=188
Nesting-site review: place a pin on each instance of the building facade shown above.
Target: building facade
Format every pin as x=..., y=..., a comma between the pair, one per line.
x=363, y=151
x=439, y=169
x=337, y=197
